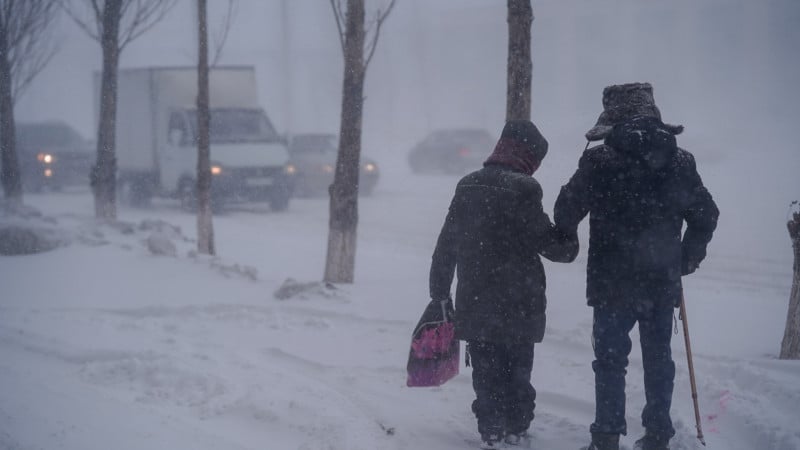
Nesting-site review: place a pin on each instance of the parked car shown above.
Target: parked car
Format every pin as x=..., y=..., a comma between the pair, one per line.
x=313, y=157
x=452, y=151
x=52, y=155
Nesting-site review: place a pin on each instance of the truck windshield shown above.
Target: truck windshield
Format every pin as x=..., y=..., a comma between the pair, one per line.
x=237, y=125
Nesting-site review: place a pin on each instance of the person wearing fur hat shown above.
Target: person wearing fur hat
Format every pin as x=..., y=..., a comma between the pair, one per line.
x=492, y=237
x=639, y=188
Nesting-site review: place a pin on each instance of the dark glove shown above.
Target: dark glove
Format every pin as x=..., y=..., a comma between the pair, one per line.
x=690, y=260
x=688, y=266
x=692, y=254
x=444, y=306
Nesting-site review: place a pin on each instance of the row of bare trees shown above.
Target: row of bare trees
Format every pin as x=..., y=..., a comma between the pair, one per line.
x=26, y=47
x=25, y=50
x=115, y=23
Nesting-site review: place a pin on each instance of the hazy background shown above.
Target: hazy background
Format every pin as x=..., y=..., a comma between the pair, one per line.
x=725, y=69
x=442, y=62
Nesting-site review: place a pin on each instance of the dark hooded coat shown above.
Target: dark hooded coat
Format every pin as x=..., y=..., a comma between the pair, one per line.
x=639, y=188
x=493, y=235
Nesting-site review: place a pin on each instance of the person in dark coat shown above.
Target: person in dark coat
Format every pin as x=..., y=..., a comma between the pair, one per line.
x=639, y=188
x=493, y=235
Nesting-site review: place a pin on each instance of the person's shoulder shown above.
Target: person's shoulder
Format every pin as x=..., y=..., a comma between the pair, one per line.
x=525, y=184
x=497, y=177
x=684, y=159
x=598, y=156
x=472, y=177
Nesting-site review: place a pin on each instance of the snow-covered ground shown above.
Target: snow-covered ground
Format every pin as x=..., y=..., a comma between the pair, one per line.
x=106, y=346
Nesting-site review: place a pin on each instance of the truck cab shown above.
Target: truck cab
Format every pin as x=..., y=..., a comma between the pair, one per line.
x=249, y=160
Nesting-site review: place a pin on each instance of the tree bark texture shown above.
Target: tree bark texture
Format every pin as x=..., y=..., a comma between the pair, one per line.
x=343, y=221
x=104, y=171
x=520, y=67
x=205, y=228
x=790, y=347
x=12, y=183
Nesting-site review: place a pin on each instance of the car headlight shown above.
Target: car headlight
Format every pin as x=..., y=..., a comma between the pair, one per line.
x=370, y=167
x=216, y=170
x=46, y=158
x=290, y=169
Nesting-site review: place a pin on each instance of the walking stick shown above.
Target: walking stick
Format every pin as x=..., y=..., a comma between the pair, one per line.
x=691, y=370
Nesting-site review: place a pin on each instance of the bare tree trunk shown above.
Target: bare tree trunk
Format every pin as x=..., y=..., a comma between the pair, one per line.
x=518, y=90
x=104, y=171
x=790, y=347
x=205, y=226
x=340, y=261
x=12, y=183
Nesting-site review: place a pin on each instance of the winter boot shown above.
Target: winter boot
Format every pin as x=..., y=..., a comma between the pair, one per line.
x=651, y=442
x=603, y=441
x=491, y=441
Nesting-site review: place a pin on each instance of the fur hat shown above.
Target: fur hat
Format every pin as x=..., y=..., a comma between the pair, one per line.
x=622, y=102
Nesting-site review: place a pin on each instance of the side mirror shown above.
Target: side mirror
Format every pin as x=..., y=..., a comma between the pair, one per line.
x=175, y=137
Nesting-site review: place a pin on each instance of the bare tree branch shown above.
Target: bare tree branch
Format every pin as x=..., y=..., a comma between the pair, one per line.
x=26, y=31
x=379, y=19
x=338, y=13
x=219, y=41
x=38, y=56
x=147, y=13
x=136, y=16
x=71, y=10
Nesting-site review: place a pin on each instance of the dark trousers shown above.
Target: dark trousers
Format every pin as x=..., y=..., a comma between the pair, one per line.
x=612, y=345
x=501, y=377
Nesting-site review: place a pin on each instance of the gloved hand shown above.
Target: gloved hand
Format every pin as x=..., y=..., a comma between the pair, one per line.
x=688, y=266
x=446, y=305
x=441, y=298
x=690, y=260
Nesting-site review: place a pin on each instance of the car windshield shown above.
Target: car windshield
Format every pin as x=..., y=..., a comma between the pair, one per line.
x=45, y=136
x=314, y=146
x=238, y=125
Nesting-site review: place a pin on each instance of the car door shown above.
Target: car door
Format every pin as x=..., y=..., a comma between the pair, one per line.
x=178, y=157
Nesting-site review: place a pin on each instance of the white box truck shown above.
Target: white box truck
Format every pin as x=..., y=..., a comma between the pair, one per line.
x=156, y=137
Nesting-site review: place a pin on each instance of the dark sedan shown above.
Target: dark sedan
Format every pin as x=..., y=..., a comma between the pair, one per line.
x=452, y=151
x=52, y=155
x=313, y=159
